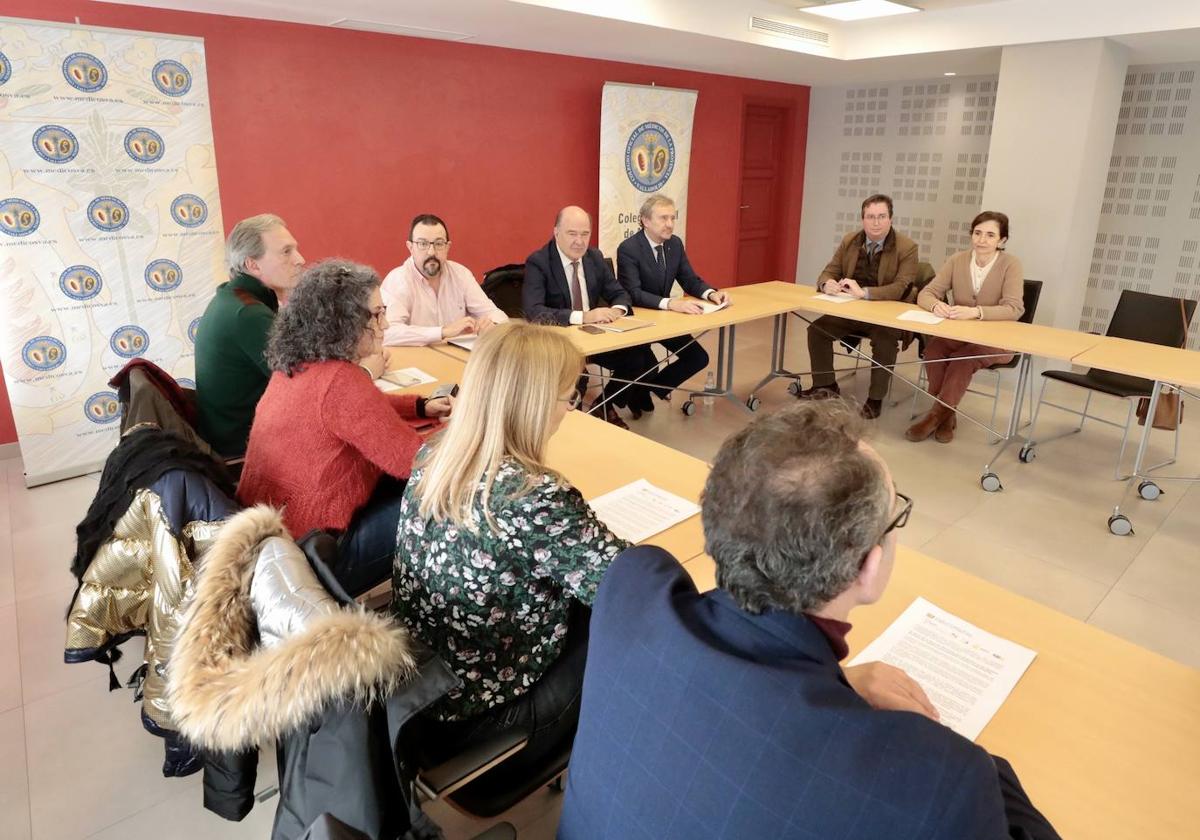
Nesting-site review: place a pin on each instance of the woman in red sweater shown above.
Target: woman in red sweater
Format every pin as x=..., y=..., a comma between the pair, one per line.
x=327, y=446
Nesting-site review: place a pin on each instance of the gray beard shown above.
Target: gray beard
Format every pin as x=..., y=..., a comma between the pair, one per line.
x=436, y=270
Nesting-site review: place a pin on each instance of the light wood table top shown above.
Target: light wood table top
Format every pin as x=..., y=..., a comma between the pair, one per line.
x=1035, y=339
x=597, y=457
x=445, y=368
x=1172, y=365
x=1104, y=735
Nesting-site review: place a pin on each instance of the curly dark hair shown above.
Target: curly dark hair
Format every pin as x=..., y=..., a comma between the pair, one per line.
x=325, y=316
x=792, y=506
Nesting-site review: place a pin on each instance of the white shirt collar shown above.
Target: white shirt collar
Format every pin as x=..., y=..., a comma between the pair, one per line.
x=653, y=244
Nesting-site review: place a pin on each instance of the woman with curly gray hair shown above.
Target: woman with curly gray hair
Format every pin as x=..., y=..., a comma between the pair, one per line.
x=327, y=446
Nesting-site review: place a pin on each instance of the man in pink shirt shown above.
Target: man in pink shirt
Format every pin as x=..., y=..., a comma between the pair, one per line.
x=429, y=298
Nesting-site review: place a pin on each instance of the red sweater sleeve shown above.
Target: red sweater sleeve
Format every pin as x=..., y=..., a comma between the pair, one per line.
x=404, y=404
x=365, y=418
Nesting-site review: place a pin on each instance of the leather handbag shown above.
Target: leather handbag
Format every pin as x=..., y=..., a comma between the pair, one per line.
x=1168, y=412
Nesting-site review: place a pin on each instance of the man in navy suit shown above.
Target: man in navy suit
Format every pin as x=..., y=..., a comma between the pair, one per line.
x=566, y=283
x=727, y=715
x=648, y=264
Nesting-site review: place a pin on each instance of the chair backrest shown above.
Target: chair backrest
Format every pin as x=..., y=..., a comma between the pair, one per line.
x=1155, y=319
x=503, y=287
x=612, y=265
x=1032, y=294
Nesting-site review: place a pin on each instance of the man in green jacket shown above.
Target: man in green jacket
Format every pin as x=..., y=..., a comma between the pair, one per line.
x=231, y=339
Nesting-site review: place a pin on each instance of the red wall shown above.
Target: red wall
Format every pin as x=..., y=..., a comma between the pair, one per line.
x=347, y=135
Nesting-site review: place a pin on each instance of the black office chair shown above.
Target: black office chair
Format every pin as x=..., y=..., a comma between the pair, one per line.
x=1140, y=316
x=612, y=265
x=1031, y=294
x=503, y=287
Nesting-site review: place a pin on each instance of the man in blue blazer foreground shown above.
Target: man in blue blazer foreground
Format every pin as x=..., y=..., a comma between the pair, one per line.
x=568, y=283
x=648, y=265
x=727, y=715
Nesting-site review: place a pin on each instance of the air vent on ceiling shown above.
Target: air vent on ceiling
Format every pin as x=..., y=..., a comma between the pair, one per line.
x=788, y=30
x=401, y=29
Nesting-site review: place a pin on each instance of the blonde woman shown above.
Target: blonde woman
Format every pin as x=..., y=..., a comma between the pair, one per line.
x=498, y=557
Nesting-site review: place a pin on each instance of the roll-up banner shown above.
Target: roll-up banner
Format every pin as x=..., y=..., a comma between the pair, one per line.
x=110, y=226
x=645, y=148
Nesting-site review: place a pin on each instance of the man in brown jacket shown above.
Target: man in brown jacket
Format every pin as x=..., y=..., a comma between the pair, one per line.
x=875, y=263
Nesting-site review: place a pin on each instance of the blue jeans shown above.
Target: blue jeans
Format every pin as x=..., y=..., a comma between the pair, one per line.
x=367, y=548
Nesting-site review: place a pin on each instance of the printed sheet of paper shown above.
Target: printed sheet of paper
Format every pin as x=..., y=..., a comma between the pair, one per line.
x=625, y=325
x=393, y=380
x=640, y=510
x=710, y=307
x=967, y=672
x=920, y=316
x=838, y=298
x=466, y=342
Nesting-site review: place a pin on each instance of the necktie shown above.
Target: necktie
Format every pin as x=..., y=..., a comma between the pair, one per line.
x=658, y=258
x=576, y=290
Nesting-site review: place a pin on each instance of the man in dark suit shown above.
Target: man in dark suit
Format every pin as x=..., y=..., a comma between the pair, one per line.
x=566, y=283
x=727, y=715
x=648, y=264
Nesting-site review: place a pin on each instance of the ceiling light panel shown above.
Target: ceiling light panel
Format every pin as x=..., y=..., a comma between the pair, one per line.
x=851, y=10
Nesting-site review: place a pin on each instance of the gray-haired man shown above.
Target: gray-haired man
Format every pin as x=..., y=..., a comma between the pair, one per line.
x=231, y=373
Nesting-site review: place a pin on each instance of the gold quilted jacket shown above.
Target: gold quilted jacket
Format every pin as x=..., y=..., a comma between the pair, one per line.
x=138, y=582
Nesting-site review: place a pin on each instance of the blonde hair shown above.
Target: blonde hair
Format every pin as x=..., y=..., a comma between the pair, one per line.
x=516, y=375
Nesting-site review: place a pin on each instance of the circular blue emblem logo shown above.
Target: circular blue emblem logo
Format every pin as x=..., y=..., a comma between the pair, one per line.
x=172, y=78
x=108, y=213
x=80, y=282
x=129, y=341
x=5, y=68
x=189, y=210
x=83, y=71
x=44, y=353
x=18, y=217
x=649, y=156
x=102, y=407
x=144, y=145
x=55, y=144
x=184, y=382
x=192, y=328
x=163, y=275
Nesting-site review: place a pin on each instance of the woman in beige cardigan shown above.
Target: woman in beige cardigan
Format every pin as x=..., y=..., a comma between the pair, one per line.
x=987, y=285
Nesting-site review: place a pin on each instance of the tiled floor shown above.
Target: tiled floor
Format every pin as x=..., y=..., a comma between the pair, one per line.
x=75, y=762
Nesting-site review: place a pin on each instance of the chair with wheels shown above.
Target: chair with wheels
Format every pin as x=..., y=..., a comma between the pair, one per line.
x=1139, y=316
x=503, y=287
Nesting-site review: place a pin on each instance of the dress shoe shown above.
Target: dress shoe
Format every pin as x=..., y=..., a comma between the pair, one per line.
x=608, y=412
x=928, y=424
x=821, y=392
x=871, y=409
x=945, y=429
x=635, y=413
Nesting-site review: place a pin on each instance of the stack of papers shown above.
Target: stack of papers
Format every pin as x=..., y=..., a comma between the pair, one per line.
x=920, y=316
x=624, y=325
x=710, y=307
x=466, y=342
x=394, y=380
x=838, y=298
x=638, y=511
x=966, y=672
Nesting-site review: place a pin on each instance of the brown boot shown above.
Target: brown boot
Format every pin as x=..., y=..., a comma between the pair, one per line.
x=945, y=429
x=928, y=424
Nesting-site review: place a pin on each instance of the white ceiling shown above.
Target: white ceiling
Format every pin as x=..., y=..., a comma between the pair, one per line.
x=961, y=36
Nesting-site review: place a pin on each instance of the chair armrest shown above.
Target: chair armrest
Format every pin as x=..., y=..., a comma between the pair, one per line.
x=471, y=763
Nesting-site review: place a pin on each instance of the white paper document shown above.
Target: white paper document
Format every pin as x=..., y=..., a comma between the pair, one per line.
x=920, y=316
x=709, y=307
x=838, y=298
x=966, y=672
x=466, y=342
x=624, y=325
x=638, y=511
x=393, y=380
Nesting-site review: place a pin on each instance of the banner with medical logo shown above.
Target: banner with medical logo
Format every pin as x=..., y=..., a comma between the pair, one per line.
x=110, y=226
x=645, y=148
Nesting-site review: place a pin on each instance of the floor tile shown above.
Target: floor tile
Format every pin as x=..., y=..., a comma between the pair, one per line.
x=42, y=632
x=10, y=660
x=14, y=780
x=1149, y=625
x=42, y=559
x=86, y=746
x=182, y=817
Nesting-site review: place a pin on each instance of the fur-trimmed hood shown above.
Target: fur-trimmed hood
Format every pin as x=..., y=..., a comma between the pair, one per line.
x=228, y=692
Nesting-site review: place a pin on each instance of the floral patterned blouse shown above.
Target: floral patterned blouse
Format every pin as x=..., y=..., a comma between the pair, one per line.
x=494, y=604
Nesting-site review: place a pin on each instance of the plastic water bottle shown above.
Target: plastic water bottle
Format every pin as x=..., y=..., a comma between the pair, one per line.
x=710, y=385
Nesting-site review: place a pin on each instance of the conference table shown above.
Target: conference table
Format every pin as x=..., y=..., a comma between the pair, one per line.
x=1104, y=735
x=1173, y=366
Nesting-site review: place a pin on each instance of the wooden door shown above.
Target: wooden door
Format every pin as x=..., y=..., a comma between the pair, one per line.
x=763, y=137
